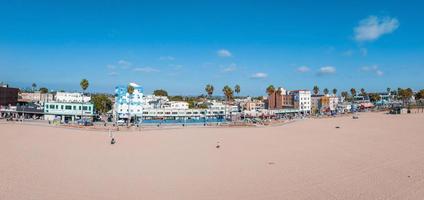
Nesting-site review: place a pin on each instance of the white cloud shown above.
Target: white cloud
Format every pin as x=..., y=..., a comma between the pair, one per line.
x=224, y=53
x=259, y=75
x=146, y=69
x=327, y=70
x=112, y=73
x=124, y=62
x=176, y=67
x=373, y=27
x=232, y=67
x=111, y=66
x=373, y=69
x=348, y=53
x=303, y=69
x=169, y=58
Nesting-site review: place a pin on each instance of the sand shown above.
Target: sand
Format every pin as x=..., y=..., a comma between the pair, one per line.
x=377, y=156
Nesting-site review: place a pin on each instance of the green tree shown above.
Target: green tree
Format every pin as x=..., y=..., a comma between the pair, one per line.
x=34, y=85
x=363, y=93
x=388, y=90
x=84, y=85
x=176, y=98
x=102, y=103
x=130, y=90
x=270, y=90
x=374, y=97
x=237, y=89
x=43, y=90
x=419, y=95
x=228, y=92
x=334, y=91
x=345, y=95
x=353, y=92
x=209, y=90
x=325, y=91
x=405, y=94
x=160, y=92
x=316, y=89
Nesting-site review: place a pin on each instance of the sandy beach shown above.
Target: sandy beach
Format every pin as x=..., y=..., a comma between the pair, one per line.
x=377, y=156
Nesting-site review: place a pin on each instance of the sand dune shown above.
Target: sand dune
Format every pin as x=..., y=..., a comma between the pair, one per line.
x=375, y=157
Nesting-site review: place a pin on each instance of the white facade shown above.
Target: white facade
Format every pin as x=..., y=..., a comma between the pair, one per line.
x=176, y=105
x=303, y=98
x=127, y=105
x=333, y=102
x=71, y=97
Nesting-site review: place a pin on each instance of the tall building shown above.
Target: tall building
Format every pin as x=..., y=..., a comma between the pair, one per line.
x=302, y=100
x=8, y=96
x=127, y=105
x=280, y=99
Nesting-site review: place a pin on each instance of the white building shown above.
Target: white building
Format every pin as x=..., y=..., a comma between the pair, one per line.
x=127, y=105
x=36, y=97
x=176, y=105
x=302, y=100
x=333, y=102
x=71, y=97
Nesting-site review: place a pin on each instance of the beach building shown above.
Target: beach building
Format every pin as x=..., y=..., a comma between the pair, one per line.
x=8, y=96
x=302, y=100
x=176, y=105
x=67, y=111
x=333, y=102
x=280, y=99
x=71, y=97
x=128, y=105
x=36, y=97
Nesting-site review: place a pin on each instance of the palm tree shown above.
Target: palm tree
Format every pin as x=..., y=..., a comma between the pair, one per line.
x=228, y=92
x=316, y=89
x=43, y=90
x=363, y=93
x=344, y=94
x=33, y=86
x=237, y=89
x=388, y=90
x=209, y=90
x=334, y=91
x=130, y=90
x=270, y=90
x=353, y=92
x=325, y=91
x=84, y=85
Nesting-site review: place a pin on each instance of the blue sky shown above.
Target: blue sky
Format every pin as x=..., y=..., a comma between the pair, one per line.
x=183, y=46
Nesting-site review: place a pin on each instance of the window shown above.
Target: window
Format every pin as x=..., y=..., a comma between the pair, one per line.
x=75, y=107
x=61, y=107
x=67, y=107
x=51, y=106
x=174, y=113
x=84, y=108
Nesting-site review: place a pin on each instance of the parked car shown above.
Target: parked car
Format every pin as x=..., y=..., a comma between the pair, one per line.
x=120, y=122
x=85, y=122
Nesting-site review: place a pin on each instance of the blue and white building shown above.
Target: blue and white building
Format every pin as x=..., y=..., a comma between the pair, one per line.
x=126, y=105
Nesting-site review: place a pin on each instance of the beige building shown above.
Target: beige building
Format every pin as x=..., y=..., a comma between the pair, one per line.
x=36, y=97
